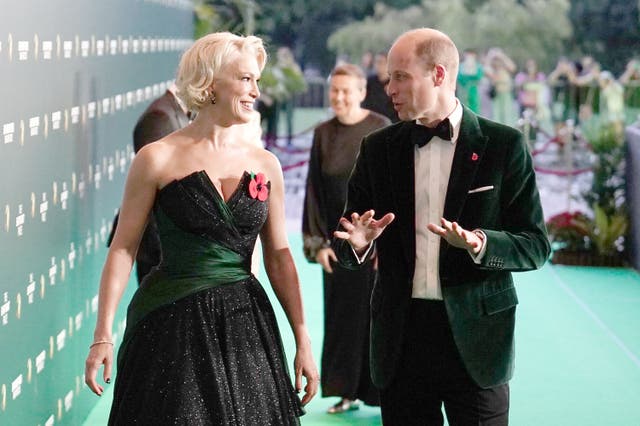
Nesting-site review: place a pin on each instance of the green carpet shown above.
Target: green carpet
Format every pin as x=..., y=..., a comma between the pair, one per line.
x=577, y=346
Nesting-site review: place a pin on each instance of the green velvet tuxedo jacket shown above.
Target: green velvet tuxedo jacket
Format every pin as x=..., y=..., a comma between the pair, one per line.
x=480, y=299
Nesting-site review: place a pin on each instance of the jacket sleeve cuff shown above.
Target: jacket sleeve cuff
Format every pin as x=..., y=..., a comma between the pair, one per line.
x=477, y=258
x=365, y=255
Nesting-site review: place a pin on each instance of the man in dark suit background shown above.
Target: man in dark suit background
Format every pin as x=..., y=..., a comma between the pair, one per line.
x=164, y=115
x=462, y=213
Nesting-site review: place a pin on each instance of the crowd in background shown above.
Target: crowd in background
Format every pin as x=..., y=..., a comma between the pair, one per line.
x=491, y=84
x=578, y=90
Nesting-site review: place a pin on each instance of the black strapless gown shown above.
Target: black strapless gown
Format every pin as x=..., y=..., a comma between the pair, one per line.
x=202, y=345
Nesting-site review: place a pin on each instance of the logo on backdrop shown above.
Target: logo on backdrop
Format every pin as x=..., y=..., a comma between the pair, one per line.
x=31, y=288
x=47, y=49
x=23, y=50
x=8, y=130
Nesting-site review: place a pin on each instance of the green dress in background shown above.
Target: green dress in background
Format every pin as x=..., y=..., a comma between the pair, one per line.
x=468, y=88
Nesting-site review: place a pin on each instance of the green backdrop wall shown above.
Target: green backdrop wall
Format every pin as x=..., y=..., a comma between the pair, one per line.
x=74, y=77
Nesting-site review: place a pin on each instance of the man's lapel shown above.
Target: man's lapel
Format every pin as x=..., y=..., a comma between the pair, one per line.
x=470, y=148
x=402, y=179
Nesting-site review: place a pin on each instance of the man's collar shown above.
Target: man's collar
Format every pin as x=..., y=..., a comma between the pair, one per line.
x=455, y=118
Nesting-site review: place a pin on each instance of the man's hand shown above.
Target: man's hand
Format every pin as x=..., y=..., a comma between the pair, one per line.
x=362, y=230
x=457, y=236
x=324, y=257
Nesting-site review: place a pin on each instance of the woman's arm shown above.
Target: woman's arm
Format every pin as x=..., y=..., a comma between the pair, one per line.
x=283, y=276
x=139, y=195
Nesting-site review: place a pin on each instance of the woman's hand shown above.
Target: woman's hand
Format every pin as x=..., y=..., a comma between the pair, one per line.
x=100, y=353
x=304, y=365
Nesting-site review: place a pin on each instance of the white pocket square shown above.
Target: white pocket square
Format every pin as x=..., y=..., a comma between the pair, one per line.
x=481, y=189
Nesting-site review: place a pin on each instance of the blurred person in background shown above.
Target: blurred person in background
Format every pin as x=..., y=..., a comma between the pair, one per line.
x=562, y=93
x=630, y=79
x=587, y=91
x=500, y=70
x=367, y=62
x=611, y=102
x=469, y=77
x=294, y=83
x=377, y=99
x=533, y=94
x=345, y=353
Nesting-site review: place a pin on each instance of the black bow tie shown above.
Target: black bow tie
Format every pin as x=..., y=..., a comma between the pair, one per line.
x=421, y=135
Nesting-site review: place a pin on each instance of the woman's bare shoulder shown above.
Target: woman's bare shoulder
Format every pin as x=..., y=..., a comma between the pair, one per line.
x=156, y=152
x=156, y=160
x=267, y=161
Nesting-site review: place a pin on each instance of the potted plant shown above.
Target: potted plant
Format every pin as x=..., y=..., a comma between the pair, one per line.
x=597, y=239
x=569, y=233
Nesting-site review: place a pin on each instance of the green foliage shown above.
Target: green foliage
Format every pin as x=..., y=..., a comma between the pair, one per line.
x=280, y=82
x=570, y=231
x=607, y=188
x=605, y=232
x=524, y=29
x=204, y=19
x=272, y=83
x=607, y=30
x=293, y=80
x=236, y=16
x=303, y=25
x=608, y=230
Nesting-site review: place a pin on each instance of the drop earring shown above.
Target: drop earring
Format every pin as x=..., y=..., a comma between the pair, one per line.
x=213, y=98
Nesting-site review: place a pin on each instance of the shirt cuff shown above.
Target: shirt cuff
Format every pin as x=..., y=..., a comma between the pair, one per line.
x=477, y=258
x=362, y=258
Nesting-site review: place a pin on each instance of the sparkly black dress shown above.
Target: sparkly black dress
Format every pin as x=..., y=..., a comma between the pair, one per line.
x=202, y=345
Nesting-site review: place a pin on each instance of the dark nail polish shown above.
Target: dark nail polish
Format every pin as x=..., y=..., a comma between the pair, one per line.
x=108, y=380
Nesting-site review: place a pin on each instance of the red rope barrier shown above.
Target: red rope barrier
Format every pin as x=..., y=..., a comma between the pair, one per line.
x=294, y=165
x=561, y=172
x=544, y=147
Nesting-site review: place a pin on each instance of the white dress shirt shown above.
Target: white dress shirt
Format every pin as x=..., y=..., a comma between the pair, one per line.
x=432, y=168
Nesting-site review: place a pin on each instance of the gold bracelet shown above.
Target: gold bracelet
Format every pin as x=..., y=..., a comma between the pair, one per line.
x=100, y=342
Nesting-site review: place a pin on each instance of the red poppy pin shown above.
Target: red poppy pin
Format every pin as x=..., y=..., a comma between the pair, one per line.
x=258, y=187
x=474, y=157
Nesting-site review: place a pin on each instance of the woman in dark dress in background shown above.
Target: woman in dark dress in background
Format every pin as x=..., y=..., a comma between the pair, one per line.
x=336, y=142
x=202, y=345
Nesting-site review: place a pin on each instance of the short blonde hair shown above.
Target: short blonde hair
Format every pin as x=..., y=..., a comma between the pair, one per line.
x=201, y=64
x=351, y=70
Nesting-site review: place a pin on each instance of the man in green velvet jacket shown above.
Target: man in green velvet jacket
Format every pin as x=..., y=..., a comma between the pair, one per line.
x=458, y=215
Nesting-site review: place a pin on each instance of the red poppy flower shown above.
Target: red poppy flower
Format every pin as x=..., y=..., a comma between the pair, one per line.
x=474, y=157
x=258, y=187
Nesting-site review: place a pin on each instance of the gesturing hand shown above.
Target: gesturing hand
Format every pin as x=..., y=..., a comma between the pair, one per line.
x=457, y=236
x=324, y=258
x=362, y=230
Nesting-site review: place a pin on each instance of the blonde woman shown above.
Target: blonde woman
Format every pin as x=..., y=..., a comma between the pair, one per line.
x=202, y=345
